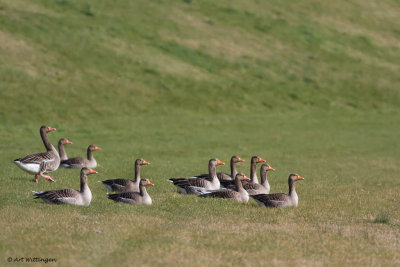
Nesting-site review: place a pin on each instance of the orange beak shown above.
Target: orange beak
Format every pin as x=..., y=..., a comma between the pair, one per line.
x=300, y=178
x=92, y=171
x=240, y=160
x=220, y=163
x=150, y=183
x=50, y=129
x=146, y=162
x=68, y=142
x=270, y=168
x=260, y=160
x=97, y=148
x=246, y=178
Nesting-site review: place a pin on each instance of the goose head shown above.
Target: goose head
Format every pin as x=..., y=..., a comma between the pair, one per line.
x=237, y=159
x=47, y=129
x=141, y=162
x=265, y=167
x=257, y=159
x=146, y=182
x=216, y=162
x=295, y=177
x=64, y=141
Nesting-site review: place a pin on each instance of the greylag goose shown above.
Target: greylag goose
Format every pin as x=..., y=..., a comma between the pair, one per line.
x=253, y=188
x=239, y=194
x=126, y=185
x=253, y=168
x=70, y=196
x=43, y=162
x=141, y=197
x=198, y=185
x=253, y=173
x=61, y=150
x=280, y=200
x=90, y=162
x=224, y=176
x=264, y=187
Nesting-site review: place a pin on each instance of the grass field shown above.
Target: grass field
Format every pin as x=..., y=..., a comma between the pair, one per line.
x=313, y=87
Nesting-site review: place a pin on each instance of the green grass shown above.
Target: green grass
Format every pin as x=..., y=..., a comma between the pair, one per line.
x=312, y=87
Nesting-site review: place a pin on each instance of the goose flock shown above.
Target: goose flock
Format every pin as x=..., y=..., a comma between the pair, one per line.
x=236, y=185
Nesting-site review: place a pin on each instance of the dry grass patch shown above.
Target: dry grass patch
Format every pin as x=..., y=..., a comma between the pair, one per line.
x=29, y=6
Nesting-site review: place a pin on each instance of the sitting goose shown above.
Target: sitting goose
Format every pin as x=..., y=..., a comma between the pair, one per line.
x=239, y=194
x=253, y=188
x=90, y=162
x=61, y=150
x=224, y=176
x=141, y=197
x=280, y=200
x=198, y=185
x=264, y=187
x=253, y=173
x=43, y=162
x=253, y=168
x=126, y=185
x=70, y=196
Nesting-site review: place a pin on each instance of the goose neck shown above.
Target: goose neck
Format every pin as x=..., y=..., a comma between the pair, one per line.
x=89, y=154
x=84, y=184
x=45, y=139
x=233, y=169
x=137, y=172
x=142, y=190
x=239, y=185
x=291, y=187
x=61, y=150
x=212, y=172
x=253, y=172
x=264, y=179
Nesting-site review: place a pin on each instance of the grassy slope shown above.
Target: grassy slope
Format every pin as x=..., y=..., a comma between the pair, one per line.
x=311, y=87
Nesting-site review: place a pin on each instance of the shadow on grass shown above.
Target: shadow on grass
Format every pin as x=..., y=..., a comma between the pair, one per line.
x=382, y=217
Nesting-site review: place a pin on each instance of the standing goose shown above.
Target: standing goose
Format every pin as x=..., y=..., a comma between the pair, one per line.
x=239, y=194
x=125, y=185
x=253, y=188
x=61, y=150
x=224, y=176
x=90, y=162
x=43, y=162
x=280, y=200
x=70, y=196
x=198, y=185
x=141, y=197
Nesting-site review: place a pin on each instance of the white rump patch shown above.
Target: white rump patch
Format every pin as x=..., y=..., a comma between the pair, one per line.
x=32, y=168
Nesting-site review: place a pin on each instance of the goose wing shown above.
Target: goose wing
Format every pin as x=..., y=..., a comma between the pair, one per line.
x=184, y=182
x=73, y=163
x=58, y=196
x=221, y=176
x=117, y=184
x=222, y=193
x=198, y=182
x=37, y=158
x=271, y=200
x=127, y=197
x=228, y=183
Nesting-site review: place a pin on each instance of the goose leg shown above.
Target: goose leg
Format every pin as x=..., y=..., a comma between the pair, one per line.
x=47, y=177
x=36, y=179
